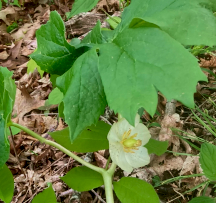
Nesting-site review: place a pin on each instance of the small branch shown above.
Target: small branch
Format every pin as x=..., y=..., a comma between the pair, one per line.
x=170, y=107
x=98, y=196
x=67, y=192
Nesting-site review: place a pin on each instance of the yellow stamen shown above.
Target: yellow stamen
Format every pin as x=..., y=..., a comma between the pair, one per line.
x=129, y=143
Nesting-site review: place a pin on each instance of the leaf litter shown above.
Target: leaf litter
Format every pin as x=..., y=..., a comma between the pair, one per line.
x=40, y=163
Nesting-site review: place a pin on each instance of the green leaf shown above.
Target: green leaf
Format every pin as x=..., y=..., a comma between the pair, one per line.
x=14, y=131
x=48, y=196
x=54, y=54
x=156, y=147
x=130, y=190
x=61, y=110
x=4, y=144
x=80, y=6
x=55, y=97
x=32, y=66
x=113, y=22
x=15, y=3
x=141, y=61
x=202, y=199
x=53, y=78
x=83, y=179
x=75, y=42
x=84, y=98
x=92, y=139
x=207, y=160
x=11, y=27
x=7, y=97
x=6, y=184
x=95, y=35
x=183, y=20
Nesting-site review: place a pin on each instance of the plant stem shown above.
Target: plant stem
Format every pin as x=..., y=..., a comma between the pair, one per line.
x=106, y=174
x=58, y=146
x=108, y=187
x=107, y=177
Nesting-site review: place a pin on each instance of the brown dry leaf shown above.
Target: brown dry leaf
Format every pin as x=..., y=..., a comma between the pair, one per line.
x=15, y=51
x=101, y=161
x=143, y=174
x=24, y=103
x=49, y=122
x=166, y=133
x=20, y=34
x=208, y=63
x=189, y=165
x=164, y=163
x=5, y=12
x=108, y=5
x=4, y=55
x=5, y=38
x=40, y=11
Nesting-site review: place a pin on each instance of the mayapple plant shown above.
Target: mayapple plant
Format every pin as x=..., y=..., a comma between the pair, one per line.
x=122, y=68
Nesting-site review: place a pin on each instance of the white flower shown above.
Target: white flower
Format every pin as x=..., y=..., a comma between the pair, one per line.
x=126, y=144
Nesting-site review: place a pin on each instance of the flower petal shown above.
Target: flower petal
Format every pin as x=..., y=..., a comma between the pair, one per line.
x=138, y=158
x=123, y=126
x=143, y=133
x=113, y=135
x=117, y=155
x=137, y=119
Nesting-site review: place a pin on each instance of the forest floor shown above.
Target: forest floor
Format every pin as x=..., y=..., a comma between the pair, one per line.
x=33, y=164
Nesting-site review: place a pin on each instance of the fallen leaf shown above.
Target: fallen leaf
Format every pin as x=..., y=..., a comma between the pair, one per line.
x=5, y=12
x=4, y=55
x=24, y=103
x=101, y=161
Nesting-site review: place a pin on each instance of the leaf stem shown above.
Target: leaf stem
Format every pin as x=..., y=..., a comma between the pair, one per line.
x=58, y=146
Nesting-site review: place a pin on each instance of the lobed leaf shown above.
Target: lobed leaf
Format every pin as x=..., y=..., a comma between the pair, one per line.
x=95, y=35
x=54, y=54
x=130, y=189
x=183, y=20
x=140, y=62
x=6, y=184
x=83, y=179
x=207, y=160
x=91, y=139
x=84, y=98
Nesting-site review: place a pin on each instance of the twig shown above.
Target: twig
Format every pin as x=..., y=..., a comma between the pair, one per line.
x=179, y=193
x=173, y=199
x=98, y=196
x=105, y=120
x=67, y=192
x=52, y=164
x=30, y=18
